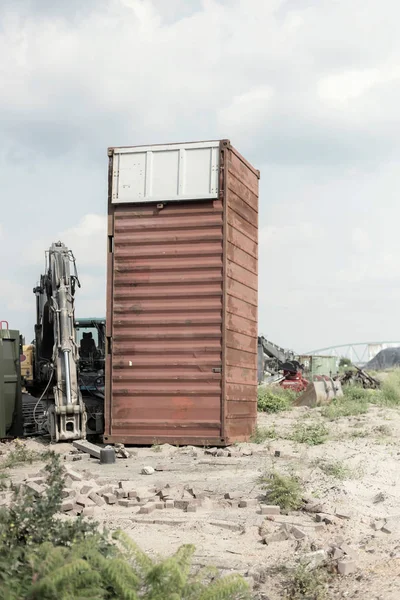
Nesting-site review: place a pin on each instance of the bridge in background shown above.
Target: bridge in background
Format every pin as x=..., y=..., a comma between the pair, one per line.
x=359, y=353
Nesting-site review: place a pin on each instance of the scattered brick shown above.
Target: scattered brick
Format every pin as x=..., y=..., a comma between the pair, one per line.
x=297, y=533
x=83, y=500
x=73, y=457
x=222, y=453
x=211, y=451
x=96, y=499
x=86, y=489
x=337, y=554
x=120, y=493
x=346, y=567
x=35, y=488
x=182, y=504
x=74, y=475
x=106, y=489
x=68, y=493
x=323, y=518
x=233, y=495
x=347, y=549
x=280, y=536
x=36, y=479
x=67, y=505
x=160, y=505
x=127, y=503
x=132, y=494
x=343, y=515
x=228, y=525
x=246, y=452
x=68, y=481
x=169, y=504
x=248, y=503
x=387, y=528
x=192, y=508
x=378, y=525
x=270, y=509
x=88, y=511
x=110, y=498
x=146, y=510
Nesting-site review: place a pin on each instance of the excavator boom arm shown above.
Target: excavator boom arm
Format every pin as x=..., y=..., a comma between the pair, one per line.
x=56, y=350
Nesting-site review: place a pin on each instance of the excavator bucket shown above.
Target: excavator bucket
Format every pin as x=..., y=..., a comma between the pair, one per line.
x=319, y=392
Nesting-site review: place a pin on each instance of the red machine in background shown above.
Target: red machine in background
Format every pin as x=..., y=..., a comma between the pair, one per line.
x=293, y=377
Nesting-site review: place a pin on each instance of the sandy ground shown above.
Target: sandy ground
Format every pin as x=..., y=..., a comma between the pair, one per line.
x=229, y=537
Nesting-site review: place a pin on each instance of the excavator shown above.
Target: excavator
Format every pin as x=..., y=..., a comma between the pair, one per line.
x=64, y=367
x=286, y=371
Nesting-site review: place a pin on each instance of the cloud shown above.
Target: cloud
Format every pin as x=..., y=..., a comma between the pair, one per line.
x=12, y=298
x=87, y=240
x=316, y=112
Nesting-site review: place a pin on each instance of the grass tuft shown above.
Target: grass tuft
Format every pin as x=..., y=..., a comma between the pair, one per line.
x=334, y=468
x=282, y=490
x=313, y=434
x=273, y=399
x=307, y=584
x=21, y=455
x=262, y=434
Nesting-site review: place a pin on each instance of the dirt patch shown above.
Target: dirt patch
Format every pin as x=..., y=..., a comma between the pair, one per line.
x=351, y=489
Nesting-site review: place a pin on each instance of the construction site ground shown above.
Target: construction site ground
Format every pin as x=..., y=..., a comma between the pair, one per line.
x=360, y=494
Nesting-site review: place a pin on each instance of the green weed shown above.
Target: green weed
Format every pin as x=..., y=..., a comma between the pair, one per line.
x=282, y=490
x=335, y=468
x=313, y=434
x=360, y=433
x=389, y=394
x=273, y=399
x=20, y=455
x=307, y=584
x=262, y=434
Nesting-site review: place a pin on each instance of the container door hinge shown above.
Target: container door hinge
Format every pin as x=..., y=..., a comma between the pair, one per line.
x=217, y=370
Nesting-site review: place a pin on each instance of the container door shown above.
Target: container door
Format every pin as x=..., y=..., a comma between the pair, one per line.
x=10, y=384
x=165, y=309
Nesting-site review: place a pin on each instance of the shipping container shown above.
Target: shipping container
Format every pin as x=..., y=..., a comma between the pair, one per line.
x=10, y=384
x=319, y=365
x=182, y=278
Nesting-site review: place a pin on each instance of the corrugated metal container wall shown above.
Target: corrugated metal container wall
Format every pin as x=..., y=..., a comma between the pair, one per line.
x=319, y=365
x=182, y=295
x=10, y=384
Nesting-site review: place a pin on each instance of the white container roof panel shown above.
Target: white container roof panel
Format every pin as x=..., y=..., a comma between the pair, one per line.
x=172, y=172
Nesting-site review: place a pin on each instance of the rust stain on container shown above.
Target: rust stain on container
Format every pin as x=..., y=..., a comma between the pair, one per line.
x=182, y=313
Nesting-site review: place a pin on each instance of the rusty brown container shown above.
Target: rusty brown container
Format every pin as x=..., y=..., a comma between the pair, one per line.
x=181, y=362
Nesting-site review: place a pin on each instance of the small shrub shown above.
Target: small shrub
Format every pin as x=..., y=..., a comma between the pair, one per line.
x=383, y=430
x=20, y=455
x=390, y=390
x=313, y=434
x=335, y=468
x=156, y=448
x=263, y=434
x=307, y=585
x=345, y=362
x=275, y=399
x=282, y=490
x=344, y=408
x=356, y=393
x=361, y=433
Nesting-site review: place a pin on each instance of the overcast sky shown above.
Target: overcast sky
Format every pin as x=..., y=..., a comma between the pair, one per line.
x=307, y=90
